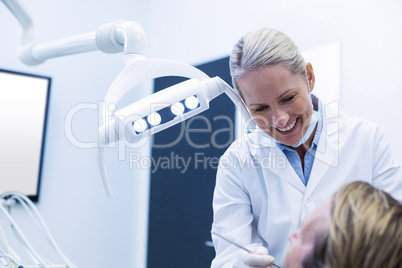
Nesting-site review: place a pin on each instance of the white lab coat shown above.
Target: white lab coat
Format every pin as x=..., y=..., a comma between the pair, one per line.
x=260, y=200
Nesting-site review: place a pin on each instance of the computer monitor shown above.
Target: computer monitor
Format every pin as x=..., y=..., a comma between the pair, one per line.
x=24, y=100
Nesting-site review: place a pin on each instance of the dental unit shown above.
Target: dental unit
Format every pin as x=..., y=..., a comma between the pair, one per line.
x=140, y=119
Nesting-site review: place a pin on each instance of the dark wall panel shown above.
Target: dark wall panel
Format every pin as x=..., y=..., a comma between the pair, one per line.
x=181, y=194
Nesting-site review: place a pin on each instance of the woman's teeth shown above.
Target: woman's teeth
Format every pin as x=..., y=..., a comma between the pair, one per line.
x=289, y=127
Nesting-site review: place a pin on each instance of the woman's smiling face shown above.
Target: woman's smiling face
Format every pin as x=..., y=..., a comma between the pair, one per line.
x=279, y=101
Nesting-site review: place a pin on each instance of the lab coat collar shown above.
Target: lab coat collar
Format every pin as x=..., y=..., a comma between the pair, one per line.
x=327, y=154
x=261, y=145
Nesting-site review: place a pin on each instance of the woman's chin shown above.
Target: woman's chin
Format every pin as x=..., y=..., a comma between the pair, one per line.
x=286, y=142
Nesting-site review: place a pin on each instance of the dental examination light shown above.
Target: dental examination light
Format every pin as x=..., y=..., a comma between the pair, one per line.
x=162, y=109
x=147, y=116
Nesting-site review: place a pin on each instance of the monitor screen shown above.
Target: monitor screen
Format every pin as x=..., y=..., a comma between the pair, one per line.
x=23, y=110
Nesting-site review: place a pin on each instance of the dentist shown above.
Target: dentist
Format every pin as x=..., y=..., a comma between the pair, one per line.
x=300, y=154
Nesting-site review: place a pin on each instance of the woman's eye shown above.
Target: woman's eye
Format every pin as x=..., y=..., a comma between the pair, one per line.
x=289, y=99
x=261, y=109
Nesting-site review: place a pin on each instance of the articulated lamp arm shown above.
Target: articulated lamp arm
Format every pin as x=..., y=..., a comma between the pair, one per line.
x=23, y=18
x=115, y=37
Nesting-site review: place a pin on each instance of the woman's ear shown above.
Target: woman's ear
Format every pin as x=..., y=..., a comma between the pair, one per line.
x=310, y=76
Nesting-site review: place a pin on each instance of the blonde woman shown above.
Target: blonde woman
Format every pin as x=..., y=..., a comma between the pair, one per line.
x=299, y=155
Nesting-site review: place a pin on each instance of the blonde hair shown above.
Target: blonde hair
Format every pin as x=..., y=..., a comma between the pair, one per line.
x=365, y=230
x=263, y=48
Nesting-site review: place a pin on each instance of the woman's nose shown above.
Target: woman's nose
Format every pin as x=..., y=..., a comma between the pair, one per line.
x=280, y=118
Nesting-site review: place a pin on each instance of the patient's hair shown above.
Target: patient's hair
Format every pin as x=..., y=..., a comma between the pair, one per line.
x=365, y=231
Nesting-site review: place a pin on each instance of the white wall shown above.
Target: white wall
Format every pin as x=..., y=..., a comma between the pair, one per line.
x=91, y=229
x=370, y=34
x=95, y=231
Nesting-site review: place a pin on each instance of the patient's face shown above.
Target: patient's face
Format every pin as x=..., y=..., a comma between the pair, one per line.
x=302, y=240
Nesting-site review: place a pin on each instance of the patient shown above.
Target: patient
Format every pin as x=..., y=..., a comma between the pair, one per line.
x=365, y=231
x=360, y=227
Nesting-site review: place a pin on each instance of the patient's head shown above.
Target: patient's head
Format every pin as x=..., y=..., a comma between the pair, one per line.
x=303, y=240
x=360, y=227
